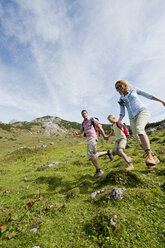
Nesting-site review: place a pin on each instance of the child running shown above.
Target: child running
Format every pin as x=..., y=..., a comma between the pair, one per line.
x=120, y=141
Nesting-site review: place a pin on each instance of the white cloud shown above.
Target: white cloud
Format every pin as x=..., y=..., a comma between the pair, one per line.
x=70, y=53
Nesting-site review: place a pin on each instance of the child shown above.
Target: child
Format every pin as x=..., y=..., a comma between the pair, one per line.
x=120, y=141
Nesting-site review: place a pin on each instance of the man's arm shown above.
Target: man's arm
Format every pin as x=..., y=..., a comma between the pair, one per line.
x=78, y=133
x=101, y=130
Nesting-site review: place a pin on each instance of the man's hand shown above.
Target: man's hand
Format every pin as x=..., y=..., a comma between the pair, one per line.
x=75, y=133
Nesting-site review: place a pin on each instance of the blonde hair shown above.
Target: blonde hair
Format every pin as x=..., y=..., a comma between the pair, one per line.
x=110, y=117
x=124, y=82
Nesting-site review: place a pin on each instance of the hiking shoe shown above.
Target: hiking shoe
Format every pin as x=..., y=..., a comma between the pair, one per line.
x=157, y=161
x=109, y=153
x=129, y=167
x=150, y=159
x=150, y=166
x=98, y=174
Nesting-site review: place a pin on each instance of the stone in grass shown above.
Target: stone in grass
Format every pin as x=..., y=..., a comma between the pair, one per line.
x=151, y=131
x=25, y=179
x=54, y=163
x=161, y=126
x=34, y=229
x=93, y=195
x=52, y=143
x=117, y=193
x=112, y=222
x=43, y=145
x=7, y=192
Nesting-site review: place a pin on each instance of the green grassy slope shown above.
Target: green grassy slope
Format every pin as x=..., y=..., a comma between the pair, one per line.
x=56, y=200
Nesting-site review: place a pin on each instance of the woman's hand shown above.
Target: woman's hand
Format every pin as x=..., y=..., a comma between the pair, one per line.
x=120, y=124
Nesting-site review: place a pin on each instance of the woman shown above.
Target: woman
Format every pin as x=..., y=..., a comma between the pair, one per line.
x=138, y=115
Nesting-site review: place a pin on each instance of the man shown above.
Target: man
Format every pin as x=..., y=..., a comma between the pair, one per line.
x=90, y=131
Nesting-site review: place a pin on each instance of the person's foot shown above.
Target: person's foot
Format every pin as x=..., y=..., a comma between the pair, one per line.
x=109, y=153
x=150, y=161
x=98, y=174
x=129, y=167
x=157, y=161
x=130, y=159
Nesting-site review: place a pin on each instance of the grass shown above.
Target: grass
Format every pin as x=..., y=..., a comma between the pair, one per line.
x=56, y=200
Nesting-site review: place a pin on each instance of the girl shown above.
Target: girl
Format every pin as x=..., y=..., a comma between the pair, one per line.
x=120, y=141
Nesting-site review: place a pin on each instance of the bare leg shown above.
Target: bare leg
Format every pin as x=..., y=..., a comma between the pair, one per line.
x=145, y=143
x=95, y=163
x=100, y=154
x=121, y=153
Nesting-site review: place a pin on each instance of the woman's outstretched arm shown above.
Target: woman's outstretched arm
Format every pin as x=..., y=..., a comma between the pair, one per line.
x=158, y=100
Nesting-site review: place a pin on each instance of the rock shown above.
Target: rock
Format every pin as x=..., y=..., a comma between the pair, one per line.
x=128, y=146
x=161, y=126
x=28, y=187
x=25, y=179
x=93, y=195
x=34, y=229
x=73, y=151
x=50, y=165
x=82, y=185
x=8, y=153
x=52, y=143
x=117, y=193
x=37, y=246
x=7, y=192
x=43, y=145
x=56, y=163
x=112, y=222
x=150, y=131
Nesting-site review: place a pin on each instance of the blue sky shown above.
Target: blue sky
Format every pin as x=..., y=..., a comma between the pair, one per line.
x=58, y=57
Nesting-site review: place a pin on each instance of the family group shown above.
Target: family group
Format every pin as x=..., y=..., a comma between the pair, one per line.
x=138, y=115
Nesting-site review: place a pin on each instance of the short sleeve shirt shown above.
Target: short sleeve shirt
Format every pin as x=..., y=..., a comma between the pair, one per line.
x=89, y=128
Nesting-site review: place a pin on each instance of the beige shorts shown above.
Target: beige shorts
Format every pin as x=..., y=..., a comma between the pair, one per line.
x=92, y=149
x=120, y=143
x=138, y=124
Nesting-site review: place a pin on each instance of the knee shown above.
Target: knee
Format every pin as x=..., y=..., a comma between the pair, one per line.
x=120, y=151
x=115, y=151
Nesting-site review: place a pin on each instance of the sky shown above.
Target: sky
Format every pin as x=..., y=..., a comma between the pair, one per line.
x=58, y=57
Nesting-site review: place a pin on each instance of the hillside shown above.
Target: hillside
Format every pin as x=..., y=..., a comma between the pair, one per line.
x=46, y=184
x=52, y=126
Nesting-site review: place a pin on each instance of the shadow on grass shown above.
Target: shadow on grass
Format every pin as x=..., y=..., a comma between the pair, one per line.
x=63, y=186
x=160, y=172
x=122, y=178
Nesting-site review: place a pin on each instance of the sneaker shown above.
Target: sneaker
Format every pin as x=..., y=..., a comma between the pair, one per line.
x=109, y=153
x=150, y=159
x=129, y=167
x=98, y=174
x=157, y=161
